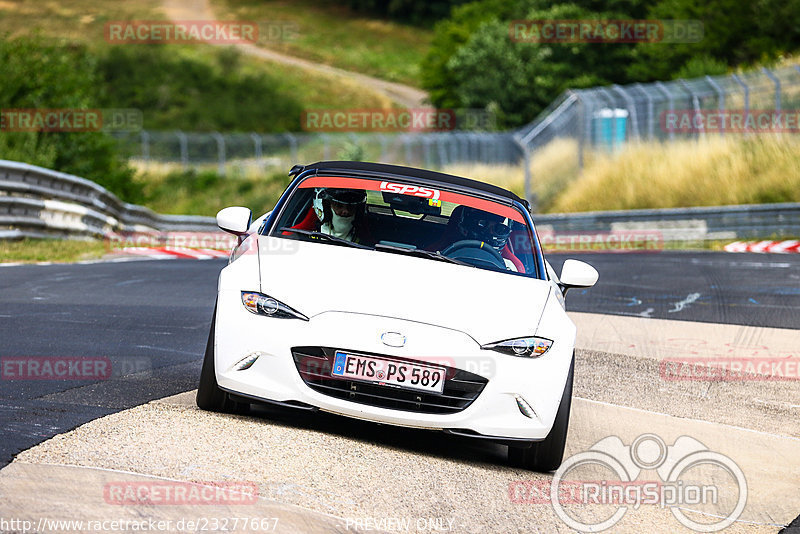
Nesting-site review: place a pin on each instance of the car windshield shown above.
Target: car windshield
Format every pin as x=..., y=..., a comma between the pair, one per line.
x=408, y=219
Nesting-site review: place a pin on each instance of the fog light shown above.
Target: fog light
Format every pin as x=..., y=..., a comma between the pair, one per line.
x=524, y=407
x=246, y=362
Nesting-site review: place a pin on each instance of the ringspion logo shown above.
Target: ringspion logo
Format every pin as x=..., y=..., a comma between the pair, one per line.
x=689, y=475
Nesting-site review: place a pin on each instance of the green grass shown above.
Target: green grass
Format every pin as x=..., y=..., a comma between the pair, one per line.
x=210, y=88
x=55, y=250
x=81, y=21
x=327, y=32
x=205, y=193
x=165, y=101
x=711, y=171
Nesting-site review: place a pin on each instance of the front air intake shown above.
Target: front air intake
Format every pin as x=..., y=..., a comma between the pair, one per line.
x=461, y=387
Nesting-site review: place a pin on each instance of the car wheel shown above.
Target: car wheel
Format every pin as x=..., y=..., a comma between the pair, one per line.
x=209, y=395
x=544, y=456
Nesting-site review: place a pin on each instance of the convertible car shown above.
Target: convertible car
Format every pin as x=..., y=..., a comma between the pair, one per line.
x=400, y=296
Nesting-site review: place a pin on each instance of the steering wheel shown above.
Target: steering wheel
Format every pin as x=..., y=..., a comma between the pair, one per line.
x=478, y=251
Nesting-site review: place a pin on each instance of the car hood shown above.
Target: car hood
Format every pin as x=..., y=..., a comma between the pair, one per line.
x=314, y=278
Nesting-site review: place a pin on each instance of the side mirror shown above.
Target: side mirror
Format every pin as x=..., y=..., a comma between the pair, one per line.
x=235, y=220
x=577, y=274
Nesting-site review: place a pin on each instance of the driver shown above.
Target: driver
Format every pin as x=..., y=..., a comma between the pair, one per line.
x=492, y=229
x=341, y=212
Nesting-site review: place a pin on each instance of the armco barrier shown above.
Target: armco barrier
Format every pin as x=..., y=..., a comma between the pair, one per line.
x=38, y=202
x=685, y=224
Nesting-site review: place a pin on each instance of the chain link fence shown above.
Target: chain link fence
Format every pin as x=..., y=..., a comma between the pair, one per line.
x=579, y=121
x=240, y=151
x=606, y=118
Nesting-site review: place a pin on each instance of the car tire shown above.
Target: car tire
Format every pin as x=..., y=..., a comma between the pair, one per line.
x=544, y=456
x=209, y=395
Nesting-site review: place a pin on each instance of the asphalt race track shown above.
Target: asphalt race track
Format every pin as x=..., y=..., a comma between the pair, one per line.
x=147, y=313
x=153, y=317
x=714, y=287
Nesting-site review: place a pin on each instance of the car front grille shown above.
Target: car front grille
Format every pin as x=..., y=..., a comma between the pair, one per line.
x=460, y=387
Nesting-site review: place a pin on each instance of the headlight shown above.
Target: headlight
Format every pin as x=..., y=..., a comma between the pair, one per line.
x=526, y=347
x=267, y=306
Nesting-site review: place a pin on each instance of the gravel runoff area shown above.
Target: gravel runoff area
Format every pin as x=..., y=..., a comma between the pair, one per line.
x=378, y=477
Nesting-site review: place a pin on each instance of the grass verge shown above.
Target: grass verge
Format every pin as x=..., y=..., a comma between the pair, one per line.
x=329, y=32
x=205, y=192
x=192, y=87
x=55, y=250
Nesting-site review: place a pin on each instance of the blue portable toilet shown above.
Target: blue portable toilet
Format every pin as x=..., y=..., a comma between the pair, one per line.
x=609, y=127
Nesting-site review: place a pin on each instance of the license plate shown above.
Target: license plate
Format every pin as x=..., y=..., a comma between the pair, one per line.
x=386, y=372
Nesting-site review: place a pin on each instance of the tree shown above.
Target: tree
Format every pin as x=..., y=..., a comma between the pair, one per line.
x=41, y=76
x=735, y=34
x=519, y=79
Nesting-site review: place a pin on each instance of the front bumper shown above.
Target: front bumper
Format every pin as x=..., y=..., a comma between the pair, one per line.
x=494, y=412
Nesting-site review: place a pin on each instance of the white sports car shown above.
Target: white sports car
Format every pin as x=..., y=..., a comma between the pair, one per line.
x=401, y=296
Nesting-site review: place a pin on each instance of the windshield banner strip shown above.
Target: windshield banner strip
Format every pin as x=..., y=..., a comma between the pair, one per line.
x=413, y=190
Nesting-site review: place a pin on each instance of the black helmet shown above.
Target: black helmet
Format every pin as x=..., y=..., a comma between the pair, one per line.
x=347, y=196
x=484, y=226
x=324, y=196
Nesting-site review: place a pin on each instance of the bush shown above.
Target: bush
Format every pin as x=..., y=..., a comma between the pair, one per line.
x=439, y=77
x=519, y=79
x=474, y=63
x=40, y=75
x=204, y=192
x=735, y=34
x=414, y=11
x=181, y=93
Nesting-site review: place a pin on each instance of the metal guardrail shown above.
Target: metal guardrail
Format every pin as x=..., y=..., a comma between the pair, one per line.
x=685, y=224
x=38, y=202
